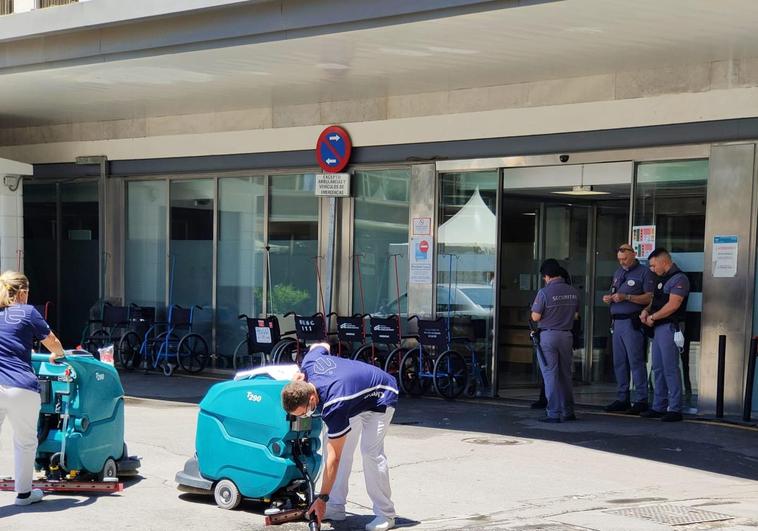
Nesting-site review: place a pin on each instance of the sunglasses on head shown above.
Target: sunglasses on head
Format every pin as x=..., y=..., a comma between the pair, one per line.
x=624, y=250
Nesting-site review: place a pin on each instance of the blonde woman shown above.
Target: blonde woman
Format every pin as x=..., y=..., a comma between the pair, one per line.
x=20, y=325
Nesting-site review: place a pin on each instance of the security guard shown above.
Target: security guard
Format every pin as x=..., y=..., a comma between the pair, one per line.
x=631, y=291
x=555, y=308
x=665, y=315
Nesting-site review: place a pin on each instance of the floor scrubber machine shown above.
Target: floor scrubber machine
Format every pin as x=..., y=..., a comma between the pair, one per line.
x=81, y=426
x=247, y=446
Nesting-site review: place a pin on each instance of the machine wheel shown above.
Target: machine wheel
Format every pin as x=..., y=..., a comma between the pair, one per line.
x=416, y=372
x=192, y=353
x=226, y=494
x=392, y=364
x=129, y=351
x=450, y=374
x=109, y=471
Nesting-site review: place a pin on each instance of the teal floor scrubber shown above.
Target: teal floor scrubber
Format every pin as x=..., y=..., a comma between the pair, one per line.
x=81, y=425
x=248, y=447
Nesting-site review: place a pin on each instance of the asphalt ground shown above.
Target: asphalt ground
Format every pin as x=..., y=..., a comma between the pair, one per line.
x=454, y=465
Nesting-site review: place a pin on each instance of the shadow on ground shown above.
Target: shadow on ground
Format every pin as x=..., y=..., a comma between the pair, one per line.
x=719, y=449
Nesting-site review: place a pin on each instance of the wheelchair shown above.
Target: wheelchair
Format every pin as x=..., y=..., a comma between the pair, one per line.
x=107, y=330
x=293, y=344
x=189, y=350
x=434, y=362
x=255, y=350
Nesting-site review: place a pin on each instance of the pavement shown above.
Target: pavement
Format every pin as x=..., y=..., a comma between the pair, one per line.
x=482, y=464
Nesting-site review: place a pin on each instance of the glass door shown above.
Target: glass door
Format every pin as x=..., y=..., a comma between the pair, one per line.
x=577, y=215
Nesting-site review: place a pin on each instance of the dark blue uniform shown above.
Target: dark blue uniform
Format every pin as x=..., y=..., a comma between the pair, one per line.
x=558, y=304
x=667, y=375
x=628, y=338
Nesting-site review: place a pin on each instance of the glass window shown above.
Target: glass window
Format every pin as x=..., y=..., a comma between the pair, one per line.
x=64, y=219
x=671, y=197
x=241, y=256
x=381, y=231
x=293, y=242
x=466, y=261
x=145, y=253
x=192, y=205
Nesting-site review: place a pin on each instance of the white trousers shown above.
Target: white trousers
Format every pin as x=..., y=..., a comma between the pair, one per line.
x=21, y=407
x=370, y=427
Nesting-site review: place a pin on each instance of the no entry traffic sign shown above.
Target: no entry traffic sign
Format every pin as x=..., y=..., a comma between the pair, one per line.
x=333, y=149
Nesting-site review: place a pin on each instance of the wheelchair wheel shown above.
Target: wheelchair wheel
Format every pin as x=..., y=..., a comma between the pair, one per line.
x=281, y=353
x=98, y=339
x=290, y=353
x=392, y=364
x=370, y=355
x=243, y=361
x=192, y=353
x=129, y=351
x=416, y=372
x=450, y=374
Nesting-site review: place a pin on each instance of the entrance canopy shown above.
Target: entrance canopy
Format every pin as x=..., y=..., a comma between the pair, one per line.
x=78, y=63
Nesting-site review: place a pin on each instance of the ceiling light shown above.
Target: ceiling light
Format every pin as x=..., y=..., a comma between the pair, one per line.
x=528, y=213
x=581, y=190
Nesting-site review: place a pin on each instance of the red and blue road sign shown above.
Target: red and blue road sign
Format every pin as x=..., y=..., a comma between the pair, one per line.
x=333, y=149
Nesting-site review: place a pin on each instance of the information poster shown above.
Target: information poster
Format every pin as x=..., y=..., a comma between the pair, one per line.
x=643, y=240
x=421, y=271
x=725, y=251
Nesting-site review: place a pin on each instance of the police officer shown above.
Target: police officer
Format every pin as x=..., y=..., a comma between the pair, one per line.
x=665, y=315
x=554, y=309
x=631, y=292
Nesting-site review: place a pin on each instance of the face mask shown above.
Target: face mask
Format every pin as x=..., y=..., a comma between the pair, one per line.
x=309, y=411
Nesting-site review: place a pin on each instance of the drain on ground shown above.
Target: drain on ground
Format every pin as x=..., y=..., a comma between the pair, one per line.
x=671, y=514
x=493, y=441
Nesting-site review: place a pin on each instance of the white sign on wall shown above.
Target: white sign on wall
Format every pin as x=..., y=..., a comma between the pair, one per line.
x=333, y=184
x=725, y=251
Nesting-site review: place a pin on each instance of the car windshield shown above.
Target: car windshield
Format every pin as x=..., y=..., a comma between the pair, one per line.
x=482, y=296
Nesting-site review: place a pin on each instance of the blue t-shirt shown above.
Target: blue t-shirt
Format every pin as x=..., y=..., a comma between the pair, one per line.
x=636, y=280
x=347, y=388
x=20, y=325
x=557, y=302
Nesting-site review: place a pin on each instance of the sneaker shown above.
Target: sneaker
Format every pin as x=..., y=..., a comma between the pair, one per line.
x=617, y=406
x=652, y=414
x=637, y=408
x=550, y=420
x=568, y=418
x=35, y=496
x=539, y=404
x=671, y=416
x=334, y=514
x=380, y=523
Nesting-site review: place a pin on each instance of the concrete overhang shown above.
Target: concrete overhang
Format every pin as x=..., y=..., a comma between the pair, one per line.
x=225, y=56
x=11, y=167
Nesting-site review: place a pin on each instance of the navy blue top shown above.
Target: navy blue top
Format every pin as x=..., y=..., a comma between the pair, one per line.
x=637, y=280
x=347, y=388
x=20, y=325
x=557, y=302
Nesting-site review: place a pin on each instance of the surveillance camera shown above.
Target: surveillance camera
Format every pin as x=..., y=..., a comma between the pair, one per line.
x=564, y=158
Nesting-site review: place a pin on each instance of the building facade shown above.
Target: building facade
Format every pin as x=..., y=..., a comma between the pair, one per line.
x=173, y=154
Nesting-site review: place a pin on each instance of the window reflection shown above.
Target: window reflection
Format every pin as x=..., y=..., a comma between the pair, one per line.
x=381, y=238
x=466, y=262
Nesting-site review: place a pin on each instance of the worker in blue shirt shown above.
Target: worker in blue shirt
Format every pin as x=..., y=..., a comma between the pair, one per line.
x=631, y=291
x=555, y=308
x=357, y=402
x=20, y=325
x=665, y=315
